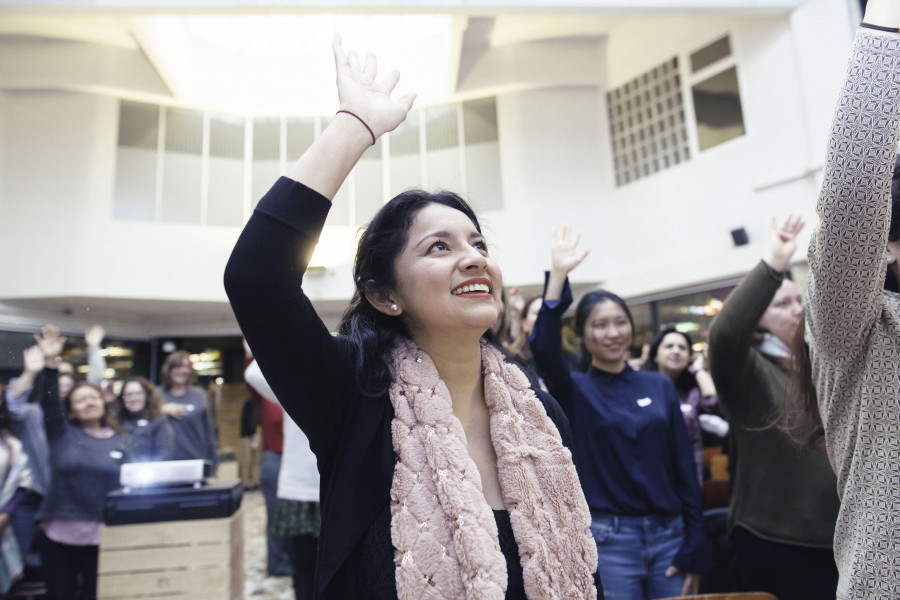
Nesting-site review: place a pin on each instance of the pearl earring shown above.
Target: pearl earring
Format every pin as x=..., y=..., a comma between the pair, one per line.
x=890, y=259
x=394, y=307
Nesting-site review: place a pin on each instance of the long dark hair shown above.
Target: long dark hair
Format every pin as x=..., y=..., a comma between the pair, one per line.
x=800, y=417
x=583, y=311
x=153, y=407
x=686, y=381
x=371, y=332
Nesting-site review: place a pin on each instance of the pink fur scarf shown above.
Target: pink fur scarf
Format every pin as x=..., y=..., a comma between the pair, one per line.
x=442, y=528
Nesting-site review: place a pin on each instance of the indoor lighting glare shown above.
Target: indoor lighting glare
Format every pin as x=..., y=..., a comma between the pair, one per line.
x=282, y=64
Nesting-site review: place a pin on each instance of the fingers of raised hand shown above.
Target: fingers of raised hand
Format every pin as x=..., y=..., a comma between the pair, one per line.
x=371, y=67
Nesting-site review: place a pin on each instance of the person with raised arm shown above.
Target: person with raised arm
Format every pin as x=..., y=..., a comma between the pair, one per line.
x=853, y=312
x=443, y=473
x=86, y=455
x=634, y=455
x=783, y=502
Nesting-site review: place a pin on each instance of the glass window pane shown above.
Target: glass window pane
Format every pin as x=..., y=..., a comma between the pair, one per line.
x=717, y=105
x=266, y=156
x=480, y=120
x=182, y=166
x=369, y=184
x=719, y=49
x=226, y=171
x=406, y=170
x=300, y=135
x=442, y=144
x=135, y=187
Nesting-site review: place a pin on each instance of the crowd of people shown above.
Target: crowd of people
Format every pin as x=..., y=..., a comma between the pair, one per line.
x=446, y=443
x=435, y=440
x=63, y=440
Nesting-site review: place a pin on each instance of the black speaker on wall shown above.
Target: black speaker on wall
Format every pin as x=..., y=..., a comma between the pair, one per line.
x=739, y=236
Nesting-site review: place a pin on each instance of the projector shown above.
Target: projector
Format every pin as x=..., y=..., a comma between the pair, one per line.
x=164, y=473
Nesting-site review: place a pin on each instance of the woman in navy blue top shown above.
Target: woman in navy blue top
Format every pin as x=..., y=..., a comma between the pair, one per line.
x=632, y=447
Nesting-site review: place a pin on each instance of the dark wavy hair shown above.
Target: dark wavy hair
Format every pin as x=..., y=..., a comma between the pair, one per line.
x=800, y=417
x=583, y=311
x=371, y=332
x=686, y=380
x=153, y=407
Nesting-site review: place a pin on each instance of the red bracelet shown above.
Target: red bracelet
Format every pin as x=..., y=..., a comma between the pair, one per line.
x=372, y=133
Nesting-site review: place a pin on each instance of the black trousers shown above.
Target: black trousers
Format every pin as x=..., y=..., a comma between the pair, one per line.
x=304, y=550
x=70, y=572
x=789, y=572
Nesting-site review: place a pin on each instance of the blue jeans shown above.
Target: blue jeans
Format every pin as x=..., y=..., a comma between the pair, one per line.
x=633, y=554
x=278, y=561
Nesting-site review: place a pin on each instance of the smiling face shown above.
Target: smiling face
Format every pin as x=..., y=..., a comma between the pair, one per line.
x=607, y=336
x=134, y=397
x=180, y=373
x=86, y=405
x=673, y=355
x=446, y=281
x=784, y=314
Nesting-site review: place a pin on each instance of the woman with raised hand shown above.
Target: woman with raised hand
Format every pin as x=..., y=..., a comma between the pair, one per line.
x=853, y=310
x=634, y=455
x=443, y=474
x=141, y=415
x=783, y=501
x=86, y=456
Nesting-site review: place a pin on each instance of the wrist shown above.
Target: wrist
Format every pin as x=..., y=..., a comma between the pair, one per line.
x=882, y=14
x=356, y=125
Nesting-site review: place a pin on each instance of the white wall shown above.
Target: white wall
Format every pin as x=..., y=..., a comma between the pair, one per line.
x=57, y=181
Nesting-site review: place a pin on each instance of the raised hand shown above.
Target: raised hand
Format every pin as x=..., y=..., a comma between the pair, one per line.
x=366, y=97
x=564, y=251
x=93, y=336
x=50, y=342
x=783, y=241
x=33, y=358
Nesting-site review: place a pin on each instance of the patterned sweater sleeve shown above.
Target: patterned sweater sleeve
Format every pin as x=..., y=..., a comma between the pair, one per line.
x=847, y=249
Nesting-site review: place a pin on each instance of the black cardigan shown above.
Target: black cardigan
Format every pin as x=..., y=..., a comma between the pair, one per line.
x=312, y=373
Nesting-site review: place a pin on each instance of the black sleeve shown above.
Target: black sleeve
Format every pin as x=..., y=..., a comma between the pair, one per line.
x=546, y=346
x=47, y=388
x=308, y=369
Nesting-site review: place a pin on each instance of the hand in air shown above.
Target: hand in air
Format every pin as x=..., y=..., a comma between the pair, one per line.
x=783, y=241
x=564, y=251
x=33, y=358
x=50, y=342
x=362, y=94
x=93, y=336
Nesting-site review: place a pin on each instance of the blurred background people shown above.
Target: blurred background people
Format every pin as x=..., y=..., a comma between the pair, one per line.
x=140, y=413
x=271, y=417
x=86, y=455
x=297, y=516
x=672, y=355
x=187, y=410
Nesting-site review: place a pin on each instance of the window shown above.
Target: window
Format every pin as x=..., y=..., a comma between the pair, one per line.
x=647, y=124
x=716, y=95
x=187, y=166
